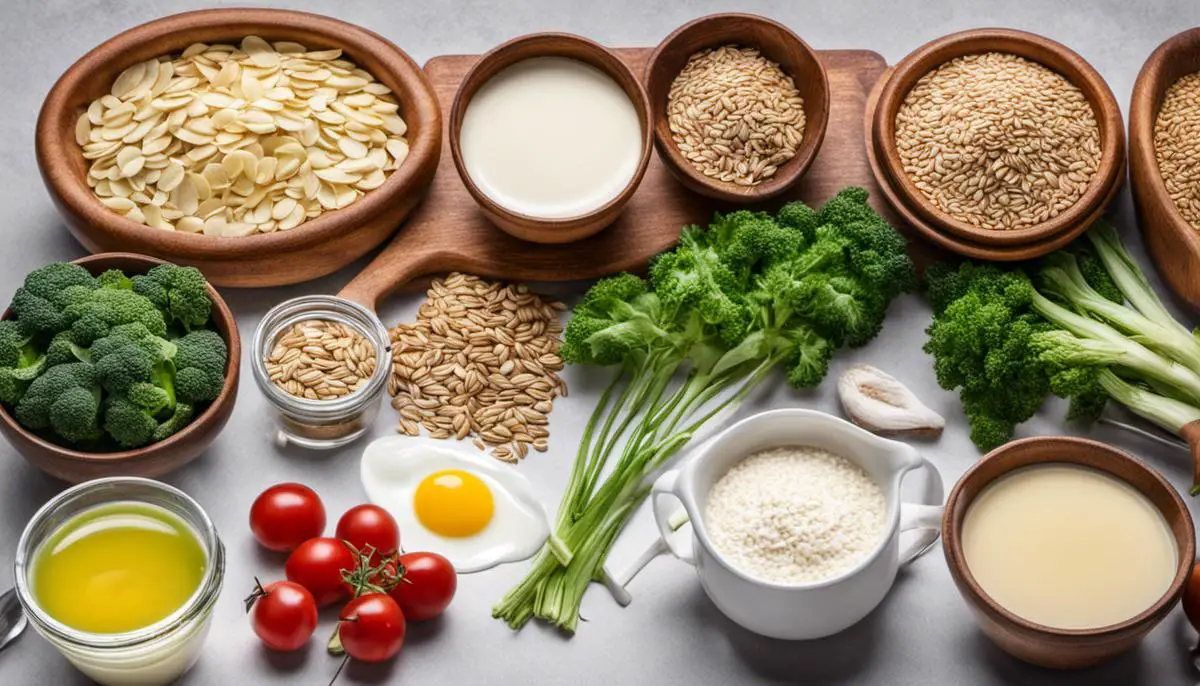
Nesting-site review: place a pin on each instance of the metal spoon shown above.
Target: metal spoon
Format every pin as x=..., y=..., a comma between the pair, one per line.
x=12, y=620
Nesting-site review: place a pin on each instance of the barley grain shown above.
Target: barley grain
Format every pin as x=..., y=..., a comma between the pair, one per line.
x=997, y=141
x=476, y=362
x=735, y=114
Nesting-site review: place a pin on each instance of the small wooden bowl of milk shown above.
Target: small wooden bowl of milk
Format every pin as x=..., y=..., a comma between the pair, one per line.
x=551, y=134
x=1068, y=551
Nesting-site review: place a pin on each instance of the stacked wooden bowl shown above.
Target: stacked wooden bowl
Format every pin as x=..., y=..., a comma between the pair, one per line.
x=961, y=237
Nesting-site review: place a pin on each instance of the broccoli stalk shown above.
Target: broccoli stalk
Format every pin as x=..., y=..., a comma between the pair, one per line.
x=722, y=311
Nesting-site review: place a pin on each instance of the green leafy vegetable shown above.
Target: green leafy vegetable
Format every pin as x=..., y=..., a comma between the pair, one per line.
x=731, y=303
x=1082, y=324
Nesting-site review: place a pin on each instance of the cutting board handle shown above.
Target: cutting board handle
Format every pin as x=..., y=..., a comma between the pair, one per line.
x=400, y=262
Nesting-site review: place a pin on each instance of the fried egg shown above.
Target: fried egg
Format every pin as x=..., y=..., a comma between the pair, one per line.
x=455, y=501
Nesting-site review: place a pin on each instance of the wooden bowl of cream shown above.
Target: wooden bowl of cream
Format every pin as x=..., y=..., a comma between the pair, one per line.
x=551, y=134
x=1067, y=551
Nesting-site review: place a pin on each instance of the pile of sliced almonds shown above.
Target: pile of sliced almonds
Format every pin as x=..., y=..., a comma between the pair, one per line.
x=237, y=140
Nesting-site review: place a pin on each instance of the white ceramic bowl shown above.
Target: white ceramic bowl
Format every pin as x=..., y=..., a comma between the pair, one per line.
x=801, y=611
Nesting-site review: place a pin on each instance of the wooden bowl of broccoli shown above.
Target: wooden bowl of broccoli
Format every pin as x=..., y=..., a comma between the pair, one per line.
x=116, y=364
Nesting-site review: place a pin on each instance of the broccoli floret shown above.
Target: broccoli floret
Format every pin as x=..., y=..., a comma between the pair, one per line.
x=14, y=343
x=801, y=218
x=66, y=400
x=102, y=309
x=200, y=366
x=983, y=343
x=62, y=351
x=181, y=418
x=616, y=316
x=20, y=362
x=114, y=278
x=48, y=290
x=129, y=425
x=181, y=294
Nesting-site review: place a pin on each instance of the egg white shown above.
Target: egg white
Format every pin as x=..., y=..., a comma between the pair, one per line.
x=393, y=467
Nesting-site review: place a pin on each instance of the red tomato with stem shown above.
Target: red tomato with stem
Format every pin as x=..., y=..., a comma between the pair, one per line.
x=286, y=515
x=371, y=628
x=370, y=525
x=427, y=587
x=282, y=614
x=317, y=565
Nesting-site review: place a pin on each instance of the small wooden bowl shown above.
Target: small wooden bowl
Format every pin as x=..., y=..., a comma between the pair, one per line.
x=777, y=43
x=313, y=249
x=1037, y=643
x=1173, y=243
x=541, y=229
x=158, y=458
x=1074, y=220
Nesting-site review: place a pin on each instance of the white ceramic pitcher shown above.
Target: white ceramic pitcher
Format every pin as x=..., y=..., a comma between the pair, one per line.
x=800, y=611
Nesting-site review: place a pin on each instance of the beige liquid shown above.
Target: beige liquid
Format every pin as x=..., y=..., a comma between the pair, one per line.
x=1068, y=547
x=551, y=137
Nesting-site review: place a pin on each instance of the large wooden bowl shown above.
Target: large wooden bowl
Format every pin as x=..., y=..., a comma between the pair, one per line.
x=777, y=43
x=1037, y=643
x=158, y=458
x=313, y=249
x=932, y=220
x=1173, y=243
x=541, y=229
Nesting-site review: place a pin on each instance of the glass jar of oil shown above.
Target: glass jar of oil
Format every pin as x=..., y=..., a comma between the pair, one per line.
x=121, y=575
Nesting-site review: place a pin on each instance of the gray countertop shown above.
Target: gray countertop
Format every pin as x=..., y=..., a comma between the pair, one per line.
x=671, y=633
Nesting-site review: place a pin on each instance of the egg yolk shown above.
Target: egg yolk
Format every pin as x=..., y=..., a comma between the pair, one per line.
x=453, y=503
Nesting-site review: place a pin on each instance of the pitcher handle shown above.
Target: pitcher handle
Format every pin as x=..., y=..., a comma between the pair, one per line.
x=680, y=546
x=923, y=517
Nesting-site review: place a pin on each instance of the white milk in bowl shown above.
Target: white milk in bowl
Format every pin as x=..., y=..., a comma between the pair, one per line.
x=551, y=137
x=1068, y=547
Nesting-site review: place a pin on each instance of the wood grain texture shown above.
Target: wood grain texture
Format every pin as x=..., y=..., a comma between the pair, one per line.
x=313, y=249
x=1071, y=222
x=777, y=43
x=156, y=459
x=1036, y=643
x=450, y=233
x=1173, y=244
x=539, y=229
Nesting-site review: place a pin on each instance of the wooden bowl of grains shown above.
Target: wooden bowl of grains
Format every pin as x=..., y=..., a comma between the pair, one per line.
x=1164, y=141
x=265, y=147
x=999, y=139
x=746, y=81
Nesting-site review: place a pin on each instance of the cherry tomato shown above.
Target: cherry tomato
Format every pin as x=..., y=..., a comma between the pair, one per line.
x=371, y=628
x=286, y=515
x=428, y=586
x=1191, y=597
x=370, y=525
x=283, y=615
x=317, y=565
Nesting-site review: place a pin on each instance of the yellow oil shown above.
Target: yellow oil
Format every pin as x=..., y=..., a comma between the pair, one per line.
x=117, y=568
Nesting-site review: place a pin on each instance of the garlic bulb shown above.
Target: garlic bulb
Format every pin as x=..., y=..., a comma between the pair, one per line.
x=880, y=403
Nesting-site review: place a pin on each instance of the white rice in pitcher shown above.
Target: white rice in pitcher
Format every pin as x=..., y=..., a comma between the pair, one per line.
x=795, y=515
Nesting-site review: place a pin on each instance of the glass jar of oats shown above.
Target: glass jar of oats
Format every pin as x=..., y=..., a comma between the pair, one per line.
x=323, y=364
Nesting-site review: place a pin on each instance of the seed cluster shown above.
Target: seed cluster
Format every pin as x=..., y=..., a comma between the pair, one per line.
x=236, y=140
x=735, y=115
x=480, y=360
x=1177, y=146
x=321, y=360
x=997, y=141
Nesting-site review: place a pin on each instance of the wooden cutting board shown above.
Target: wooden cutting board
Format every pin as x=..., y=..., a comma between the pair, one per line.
x=449, y=233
